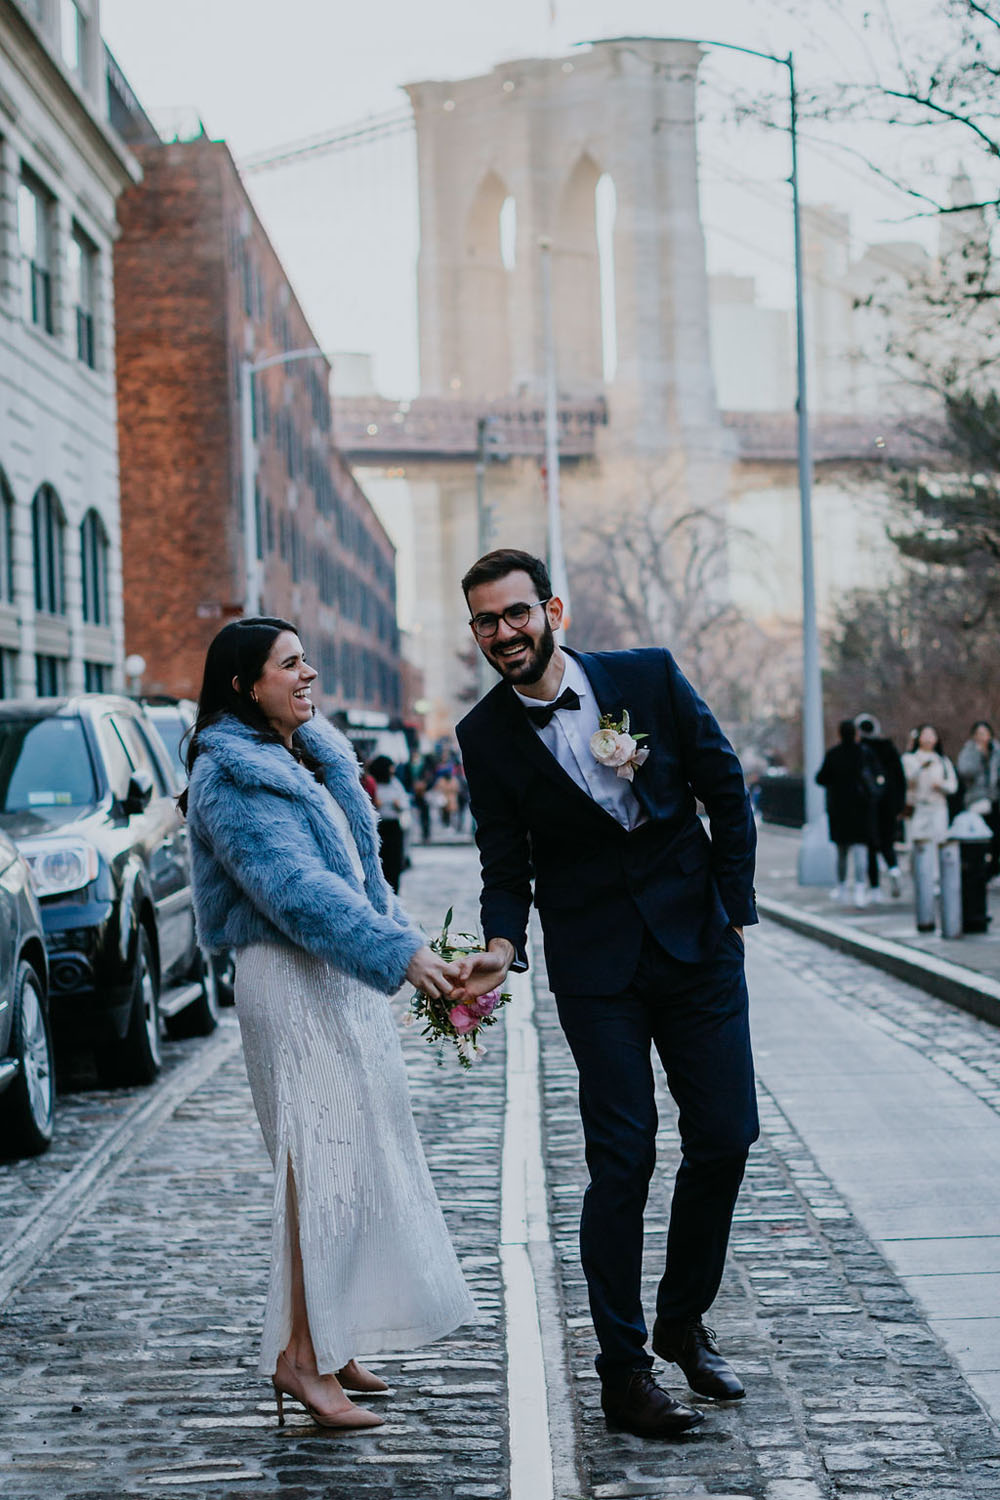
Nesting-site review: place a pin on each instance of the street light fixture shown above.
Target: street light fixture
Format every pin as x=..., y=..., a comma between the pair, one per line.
x=815, y=864
x=248, y=455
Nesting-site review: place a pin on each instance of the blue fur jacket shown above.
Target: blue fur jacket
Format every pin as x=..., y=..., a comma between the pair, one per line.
x=269, y=863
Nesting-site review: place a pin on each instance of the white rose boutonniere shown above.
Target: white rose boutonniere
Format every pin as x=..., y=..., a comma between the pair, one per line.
x=615, y=746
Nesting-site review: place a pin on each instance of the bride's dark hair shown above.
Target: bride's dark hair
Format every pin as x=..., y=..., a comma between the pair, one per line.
x=238, y=653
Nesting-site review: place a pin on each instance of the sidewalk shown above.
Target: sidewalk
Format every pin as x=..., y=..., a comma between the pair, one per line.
x=925, y=956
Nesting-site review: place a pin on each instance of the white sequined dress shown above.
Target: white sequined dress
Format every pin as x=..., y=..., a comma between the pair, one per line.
x=329, y=1085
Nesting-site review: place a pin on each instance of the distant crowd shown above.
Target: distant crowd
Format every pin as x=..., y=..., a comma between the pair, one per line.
x=431, y=786
x=878, y=799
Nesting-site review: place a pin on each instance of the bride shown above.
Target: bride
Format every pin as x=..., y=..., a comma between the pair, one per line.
x=286, y=871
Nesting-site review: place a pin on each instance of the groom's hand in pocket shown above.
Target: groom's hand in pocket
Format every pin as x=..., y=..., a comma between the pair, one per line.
x=479, y=973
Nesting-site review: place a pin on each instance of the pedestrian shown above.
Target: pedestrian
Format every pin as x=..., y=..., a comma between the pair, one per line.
x=979, y=773
x=446, y=787
x=583, y=773
x=393, y=808
x=930, y=781
x=285, y=871
x=419, y=785
x=847, y=810
x=884, y=786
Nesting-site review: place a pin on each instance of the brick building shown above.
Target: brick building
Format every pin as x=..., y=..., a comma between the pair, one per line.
x=199, y=290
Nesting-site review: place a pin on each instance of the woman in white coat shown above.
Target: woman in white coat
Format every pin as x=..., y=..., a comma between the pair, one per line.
x=930, y=781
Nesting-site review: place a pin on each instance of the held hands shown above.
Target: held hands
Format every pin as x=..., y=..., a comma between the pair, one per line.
x=480, y=973
x=431, y=974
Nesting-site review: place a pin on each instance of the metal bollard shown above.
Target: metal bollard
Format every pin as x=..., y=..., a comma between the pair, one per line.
x=951, y=889
x=925, y=869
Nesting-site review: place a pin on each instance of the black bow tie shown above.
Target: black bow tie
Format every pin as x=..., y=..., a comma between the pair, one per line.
x=540, y=716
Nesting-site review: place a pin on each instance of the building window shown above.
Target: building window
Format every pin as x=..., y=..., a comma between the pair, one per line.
x=328, y=667
x=8, y=674
x=50, y=676
x=34, y=228
x=72, y=37
x=96, y=676
x=82, y=286
x=296, y=550
x=94, y=565
x=258, y=522
x=47, y=538
x=247, y=270
x=6, y=541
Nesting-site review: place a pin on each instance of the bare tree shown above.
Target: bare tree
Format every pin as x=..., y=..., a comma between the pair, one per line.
x=657, y=576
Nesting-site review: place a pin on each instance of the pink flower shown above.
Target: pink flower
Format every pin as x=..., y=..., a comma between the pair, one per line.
x=467, y=1017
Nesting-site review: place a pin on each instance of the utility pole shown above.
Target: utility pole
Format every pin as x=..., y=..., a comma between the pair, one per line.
x=557, y=557
x=816, y=863
x=489, y=449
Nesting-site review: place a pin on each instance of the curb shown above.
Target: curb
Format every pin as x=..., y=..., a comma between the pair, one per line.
x=976, y=993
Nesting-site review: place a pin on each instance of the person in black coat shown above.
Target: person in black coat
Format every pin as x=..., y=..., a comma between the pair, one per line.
x=847, y=806
x=884, y=783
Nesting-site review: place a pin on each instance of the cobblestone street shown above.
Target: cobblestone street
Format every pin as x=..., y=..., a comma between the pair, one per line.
x=130, y=1353
x=133, y=1261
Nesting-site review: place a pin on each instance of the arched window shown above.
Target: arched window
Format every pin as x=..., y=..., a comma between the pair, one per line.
x=6, y=541
x=94, y=566
x=47, y=536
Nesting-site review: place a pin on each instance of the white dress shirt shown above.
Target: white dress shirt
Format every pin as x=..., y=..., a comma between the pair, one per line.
x=567, y=736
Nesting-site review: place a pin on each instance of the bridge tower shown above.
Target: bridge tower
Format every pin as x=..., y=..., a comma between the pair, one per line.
x=540, y=134
x=525, y=153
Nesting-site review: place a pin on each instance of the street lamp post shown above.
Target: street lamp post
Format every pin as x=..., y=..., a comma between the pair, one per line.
x=816, y=854
x=489, y=449
x=557, y=558
x=248, y=457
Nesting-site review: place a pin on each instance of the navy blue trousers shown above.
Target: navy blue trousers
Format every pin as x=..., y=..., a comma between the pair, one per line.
x=695, y=1015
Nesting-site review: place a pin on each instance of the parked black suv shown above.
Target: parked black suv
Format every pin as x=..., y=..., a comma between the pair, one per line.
x=87, y=793
x=27, y=1080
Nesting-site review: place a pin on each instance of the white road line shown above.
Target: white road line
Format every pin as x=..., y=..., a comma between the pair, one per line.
x=535, y=1334
x=104, y=1163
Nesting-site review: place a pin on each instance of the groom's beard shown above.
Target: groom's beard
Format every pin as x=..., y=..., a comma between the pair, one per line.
x=530, y=666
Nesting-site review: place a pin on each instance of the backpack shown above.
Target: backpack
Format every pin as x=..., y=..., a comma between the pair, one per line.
x=872, y=780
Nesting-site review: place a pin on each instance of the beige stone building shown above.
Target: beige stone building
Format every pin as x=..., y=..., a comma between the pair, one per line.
x=62, y=168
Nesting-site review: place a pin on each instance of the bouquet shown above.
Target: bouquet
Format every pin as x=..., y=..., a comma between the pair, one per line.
x=458, y=1024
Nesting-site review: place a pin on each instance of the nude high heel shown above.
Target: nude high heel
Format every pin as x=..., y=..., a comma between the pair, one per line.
x=286, y=1384
x=354, y=1377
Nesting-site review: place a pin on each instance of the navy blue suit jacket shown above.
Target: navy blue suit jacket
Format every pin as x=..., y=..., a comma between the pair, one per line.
x=596, y=885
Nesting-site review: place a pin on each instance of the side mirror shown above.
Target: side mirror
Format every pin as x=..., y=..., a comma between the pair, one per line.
x=140, y=789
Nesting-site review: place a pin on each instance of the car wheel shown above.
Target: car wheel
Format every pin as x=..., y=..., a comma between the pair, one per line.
x=224, y=965
x=201, y=1017
x=136, y=1058
x=26, y=1107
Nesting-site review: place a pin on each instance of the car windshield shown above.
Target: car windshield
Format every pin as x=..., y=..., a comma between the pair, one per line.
x=171, y=729
x=45, y=764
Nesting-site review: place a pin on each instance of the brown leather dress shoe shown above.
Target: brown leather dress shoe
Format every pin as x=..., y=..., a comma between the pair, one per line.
x=691, y=1345
x=637, y=1404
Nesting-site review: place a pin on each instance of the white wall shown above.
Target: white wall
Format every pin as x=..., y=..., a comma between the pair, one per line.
x=58, y=417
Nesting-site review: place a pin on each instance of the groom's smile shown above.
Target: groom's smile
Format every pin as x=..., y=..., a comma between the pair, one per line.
x=521, y=652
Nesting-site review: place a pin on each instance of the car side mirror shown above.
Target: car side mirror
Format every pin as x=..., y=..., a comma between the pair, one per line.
x=140, y=789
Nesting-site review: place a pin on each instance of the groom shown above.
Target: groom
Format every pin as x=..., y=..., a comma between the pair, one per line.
x=642, y=916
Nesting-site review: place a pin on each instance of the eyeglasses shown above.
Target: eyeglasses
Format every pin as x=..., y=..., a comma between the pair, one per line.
x=515, y=616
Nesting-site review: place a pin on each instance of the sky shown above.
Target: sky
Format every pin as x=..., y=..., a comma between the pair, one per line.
x=260, y=73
